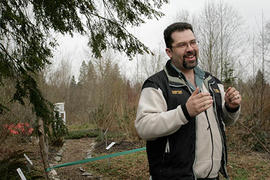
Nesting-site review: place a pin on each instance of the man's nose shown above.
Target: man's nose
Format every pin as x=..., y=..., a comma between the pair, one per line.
x=189, y=47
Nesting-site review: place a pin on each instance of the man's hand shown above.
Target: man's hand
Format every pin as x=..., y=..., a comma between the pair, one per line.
x=198, y=102
x=232, y=98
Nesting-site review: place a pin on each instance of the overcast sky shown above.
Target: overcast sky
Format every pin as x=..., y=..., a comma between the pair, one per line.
x=151, y=33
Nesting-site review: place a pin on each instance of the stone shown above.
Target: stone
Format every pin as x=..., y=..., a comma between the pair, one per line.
x=60, y=152
x=53, y=172
x=81, y=169
x=58, y=158
x=56, y=178
x=53, y=175
x=86, y=174
x=88, y=156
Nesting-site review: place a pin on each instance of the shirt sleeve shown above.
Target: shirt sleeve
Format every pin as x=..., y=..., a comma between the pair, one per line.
x=153, y=120
x=229, y=117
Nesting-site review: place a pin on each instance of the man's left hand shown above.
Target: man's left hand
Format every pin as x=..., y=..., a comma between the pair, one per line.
x=232, y=98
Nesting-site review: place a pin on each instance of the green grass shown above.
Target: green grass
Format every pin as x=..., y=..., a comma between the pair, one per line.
x=249, y=165
x=77, y=134
x=241, y=174
x=134, y=166
x=75, y=127
x=77, y=131
x=93, y=133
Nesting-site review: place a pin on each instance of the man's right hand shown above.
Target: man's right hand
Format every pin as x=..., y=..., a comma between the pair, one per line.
x=198, y=102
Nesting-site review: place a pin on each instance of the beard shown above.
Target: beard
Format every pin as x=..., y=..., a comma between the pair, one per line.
x=188, y=64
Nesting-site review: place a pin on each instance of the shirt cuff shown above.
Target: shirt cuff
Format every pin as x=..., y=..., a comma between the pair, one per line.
x=185, y=111
x=231, y=110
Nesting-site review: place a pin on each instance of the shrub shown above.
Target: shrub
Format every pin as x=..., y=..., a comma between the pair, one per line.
x=11, y=161
x=58, y=131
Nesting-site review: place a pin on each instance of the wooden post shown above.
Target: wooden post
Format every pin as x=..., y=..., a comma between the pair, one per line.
x=43, y=146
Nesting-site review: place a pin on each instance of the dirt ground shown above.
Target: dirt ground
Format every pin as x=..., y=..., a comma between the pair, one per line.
x=77, y=149
x=73, y=150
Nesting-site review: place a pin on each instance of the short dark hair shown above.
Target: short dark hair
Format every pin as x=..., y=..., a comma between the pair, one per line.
x=178, y=26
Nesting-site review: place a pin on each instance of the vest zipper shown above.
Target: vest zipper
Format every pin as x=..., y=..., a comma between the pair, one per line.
x=211, y=135
x=222, y=138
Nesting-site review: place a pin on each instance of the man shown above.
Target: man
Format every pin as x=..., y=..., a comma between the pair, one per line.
x=182, y=111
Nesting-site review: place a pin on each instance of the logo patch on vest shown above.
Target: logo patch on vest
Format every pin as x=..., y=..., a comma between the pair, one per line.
x=216, y=90
x=177, y=92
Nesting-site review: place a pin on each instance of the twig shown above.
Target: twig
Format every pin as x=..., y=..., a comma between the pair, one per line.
x=259, y=141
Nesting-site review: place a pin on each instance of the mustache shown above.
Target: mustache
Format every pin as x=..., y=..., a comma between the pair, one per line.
x=190, y=53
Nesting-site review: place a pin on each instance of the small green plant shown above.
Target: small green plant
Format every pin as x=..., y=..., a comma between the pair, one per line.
x=263, y=138
x=58, y=131
x=241, y=174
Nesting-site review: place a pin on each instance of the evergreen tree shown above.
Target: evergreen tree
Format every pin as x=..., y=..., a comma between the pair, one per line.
x=228, y=76
x=83, y=73
x=73, y=82
x=260, y=79
x=26, y=43
x=91, y=74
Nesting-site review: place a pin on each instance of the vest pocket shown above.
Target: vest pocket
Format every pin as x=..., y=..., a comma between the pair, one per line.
x=167, y=147
x=166, y=156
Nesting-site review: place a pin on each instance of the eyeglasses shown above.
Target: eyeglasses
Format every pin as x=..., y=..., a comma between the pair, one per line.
x=183, y=45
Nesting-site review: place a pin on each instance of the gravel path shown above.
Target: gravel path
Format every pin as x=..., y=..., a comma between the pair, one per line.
x=74, y=150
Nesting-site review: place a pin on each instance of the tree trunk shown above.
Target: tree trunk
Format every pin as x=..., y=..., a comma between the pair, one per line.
x=43, y=147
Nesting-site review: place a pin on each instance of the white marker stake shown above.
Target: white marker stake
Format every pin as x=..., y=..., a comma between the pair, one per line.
x=27, y=158
x=113, y=143
x=21, y=174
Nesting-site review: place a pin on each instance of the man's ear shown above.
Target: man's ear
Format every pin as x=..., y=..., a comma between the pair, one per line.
x=169, y=52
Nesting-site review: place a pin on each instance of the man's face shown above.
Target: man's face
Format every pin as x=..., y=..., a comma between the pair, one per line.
x=184, y=52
